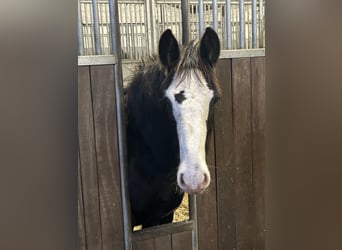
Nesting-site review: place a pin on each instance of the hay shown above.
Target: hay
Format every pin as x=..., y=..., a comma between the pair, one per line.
x=182, y=212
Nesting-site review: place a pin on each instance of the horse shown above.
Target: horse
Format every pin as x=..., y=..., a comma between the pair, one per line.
x=169, y=104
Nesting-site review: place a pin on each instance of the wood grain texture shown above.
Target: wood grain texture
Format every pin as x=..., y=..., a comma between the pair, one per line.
x=163, y=243
x=182, y=241
x=88, y=165
x=258, y=129
x=162, y=230
x=144, y=245
x=241, y=82
x=206, y=205
x=102, y=82
x=224, y=146
x=81, y=223
x=230, y=213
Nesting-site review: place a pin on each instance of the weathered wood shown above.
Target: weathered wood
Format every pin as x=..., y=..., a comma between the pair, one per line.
x=182, y=241
x=206, y=205
x=89, y=176
x=102, y=82
x=258, y=129
x=241, y=81
x=162, y=230
x=144, y=245
x=230, y=213
x=163, y=243
x=224, y=149
x=81, y=225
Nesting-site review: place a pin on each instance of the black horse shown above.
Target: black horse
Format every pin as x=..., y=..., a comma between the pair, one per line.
x=169, y=103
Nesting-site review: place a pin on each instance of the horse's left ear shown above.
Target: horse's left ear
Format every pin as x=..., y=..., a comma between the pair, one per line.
x=210, y=46
x=168, y=49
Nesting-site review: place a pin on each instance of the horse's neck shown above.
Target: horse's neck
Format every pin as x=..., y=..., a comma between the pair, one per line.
x=155, y=126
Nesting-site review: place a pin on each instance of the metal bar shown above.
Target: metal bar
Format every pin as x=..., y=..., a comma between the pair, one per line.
x=149, y=26
x=80, y=32
x=242, y=53
x=105, y=29
x=116, y=48
x=96, y=27
x=134, y=28
x=89, y=38
x=185, y=21
x=162, y=18
x=173, y=18
x=97, y=60
x=214, y=7
x=242, y=24
x=260, y=22
x=131, y=27
x=248, y=29
x=154, y=26
x=128, y=37
x=254, y=23
x=193, y=217
x=200, y=18
x=101, y=28
x=263, y=23
x=228, y=25
x=108, y=30
x=138, y=23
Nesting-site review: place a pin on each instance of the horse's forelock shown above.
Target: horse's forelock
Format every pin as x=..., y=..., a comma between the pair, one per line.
x=189, y=60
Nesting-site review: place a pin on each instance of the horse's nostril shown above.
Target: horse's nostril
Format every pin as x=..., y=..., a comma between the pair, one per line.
x=182, y=180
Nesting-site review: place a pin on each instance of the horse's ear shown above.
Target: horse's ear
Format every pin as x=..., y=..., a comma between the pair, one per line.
x=210, y=46
x=168, y=49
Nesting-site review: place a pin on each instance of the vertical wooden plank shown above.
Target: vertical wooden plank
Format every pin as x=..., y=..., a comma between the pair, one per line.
x=144, y=245
x=88, y=161
x=206, y=205
x=163, y=243
x=182, y=241
x=225, y=171
x=241, y=80
x=81, y=225
x=258, y=130
x=102, y=81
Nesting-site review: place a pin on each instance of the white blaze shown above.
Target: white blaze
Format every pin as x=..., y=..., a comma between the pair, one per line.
x=191, y=118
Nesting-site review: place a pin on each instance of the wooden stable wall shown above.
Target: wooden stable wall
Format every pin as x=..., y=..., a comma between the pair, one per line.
x=230, y=213
x=99, y=194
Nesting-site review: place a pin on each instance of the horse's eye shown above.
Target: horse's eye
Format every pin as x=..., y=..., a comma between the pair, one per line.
x=167, y=103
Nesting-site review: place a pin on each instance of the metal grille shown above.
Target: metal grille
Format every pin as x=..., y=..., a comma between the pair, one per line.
x=239, y=24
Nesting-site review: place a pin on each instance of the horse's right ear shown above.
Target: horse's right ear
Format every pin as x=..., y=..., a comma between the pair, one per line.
x=168, y=49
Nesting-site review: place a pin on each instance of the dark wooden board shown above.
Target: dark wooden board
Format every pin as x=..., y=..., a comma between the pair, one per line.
x=102, y=82
x=163, y=243
x=230, y=214
x=81, y=223
x=88, y=161
x=182, y=241
x=206, y=205
x=258, y=129
x=162, y=230
x=225, y=171
x=241, y=82
x=144, y=245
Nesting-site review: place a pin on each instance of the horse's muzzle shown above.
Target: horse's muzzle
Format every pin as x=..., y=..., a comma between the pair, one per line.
x=193, y=181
